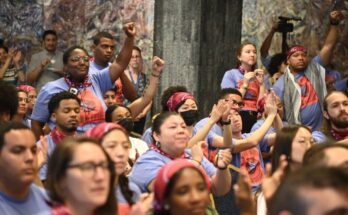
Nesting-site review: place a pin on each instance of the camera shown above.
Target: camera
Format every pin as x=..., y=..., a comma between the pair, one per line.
x=284, y=26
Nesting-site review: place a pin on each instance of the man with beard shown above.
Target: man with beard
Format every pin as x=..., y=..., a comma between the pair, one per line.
x=64, y=109
x=103, y=52
x=18, y=164
x=336, y=115
x=302, y=87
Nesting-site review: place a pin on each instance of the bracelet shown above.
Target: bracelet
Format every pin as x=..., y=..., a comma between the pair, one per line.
x=223, y=122
x=155, y=75
x=334, y=22
x=221, y=168
x=199, y=163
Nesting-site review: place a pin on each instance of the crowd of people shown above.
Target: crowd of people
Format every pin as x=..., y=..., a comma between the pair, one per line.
x=73, y=139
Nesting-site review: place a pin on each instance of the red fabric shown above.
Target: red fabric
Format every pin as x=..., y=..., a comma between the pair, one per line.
x=118, y=92
x=57, y=136
x=164, y=176
x=98, y=131
x=92, y=110
x=26, y=88
x=339, y=135
x=296, y=49
x=177, y=98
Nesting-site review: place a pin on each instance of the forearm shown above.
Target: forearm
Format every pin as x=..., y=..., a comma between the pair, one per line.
x=4, y=68
x=138, y=105
x=277, y=123
x=262, y=91
x=267, y=44
x=36, y=127
x=243, y=88
x=128, y=89
x=201, y=134
x=125, y=54
x=35, y=73
x=330, y=42
x=256, y=137
x=221, y=182
x=227, y=141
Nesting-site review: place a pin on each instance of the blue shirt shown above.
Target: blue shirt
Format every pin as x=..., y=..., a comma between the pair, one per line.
x=33, y=204
x=147, y=166
x=101, y=82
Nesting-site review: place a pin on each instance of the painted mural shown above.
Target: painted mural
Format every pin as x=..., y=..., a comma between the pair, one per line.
x=76, y=22
x=260, y=15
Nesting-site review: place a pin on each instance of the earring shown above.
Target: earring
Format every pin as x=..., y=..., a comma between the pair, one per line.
x=166, y=207
x=158, y=144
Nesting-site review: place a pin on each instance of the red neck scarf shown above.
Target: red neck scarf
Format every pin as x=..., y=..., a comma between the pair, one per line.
x=339, y=135
x=159, y=150
x=57, y=136
x=78, y=85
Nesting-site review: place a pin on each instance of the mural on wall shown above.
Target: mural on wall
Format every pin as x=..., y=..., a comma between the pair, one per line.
x=76, y=22
x=260, y=16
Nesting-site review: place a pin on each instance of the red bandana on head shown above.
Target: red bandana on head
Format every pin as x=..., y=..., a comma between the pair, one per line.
x=296, y=49
x=177, y=98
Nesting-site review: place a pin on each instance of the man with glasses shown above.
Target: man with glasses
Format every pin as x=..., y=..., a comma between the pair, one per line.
x=18, y=164
x=246, y=146
x=64, y=109
x=85, y=82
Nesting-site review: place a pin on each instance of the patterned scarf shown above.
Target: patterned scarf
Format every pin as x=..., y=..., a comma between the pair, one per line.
x=292, y=91
x=339, y=135
x=78, y=85
x=57, y=136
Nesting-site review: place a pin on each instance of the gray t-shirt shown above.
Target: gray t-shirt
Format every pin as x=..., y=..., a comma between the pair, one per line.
x=50, y=70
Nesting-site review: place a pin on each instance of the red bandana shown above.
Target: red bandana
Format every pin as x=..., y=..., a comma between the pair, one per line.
x=177, y=98
x=339, y=135
x=156, y=149
x=57, y=136
x=296, y=49
x=78, y=85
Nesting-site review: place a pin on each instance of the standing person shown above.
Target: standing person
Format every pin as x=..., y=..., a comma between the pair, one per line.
x=90, y=85
x=182, y=188
x=103, y=52
x=18, y=164
x=10, y=69
x=137, y=76
x=64, y=109
x=302, y=87
x=250, y=82
x=80, y=178
x=46, y=65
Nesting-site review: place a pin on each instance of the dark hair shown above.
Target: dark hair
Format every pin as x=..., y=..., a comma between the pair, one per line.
x=167, y=93
x=48, y=32
x=123, y=180
x=111, y=109
x=7, y=127
x=21, y=91
x=275, y=63
x=239, y=51
x=54, y=102
x=325, y=104
x=290, y=195
x=98, y=36
x=2, y=46
x=315, y=156
x=224, y=92
x=138, y=49
x=8, y=99
x=59, y=163
x=67, y=53
x=159, y=120
x=283, y=144
x=169, y=188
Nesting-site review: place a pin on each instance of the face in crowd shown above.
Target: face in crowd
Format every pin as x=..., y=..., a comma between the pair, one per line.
x=50, y=42
x=247, y=55
x=337, y=110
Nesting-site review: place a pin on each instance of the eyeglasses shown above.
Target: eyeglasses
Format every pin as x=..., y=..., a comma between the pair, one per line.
x=23, y=100
x=234, y=102
x=79, y=58
x=89, y=169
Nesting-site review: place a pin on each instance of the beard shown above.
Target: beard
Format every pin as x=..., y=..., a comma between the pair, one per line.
x=339, y=122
